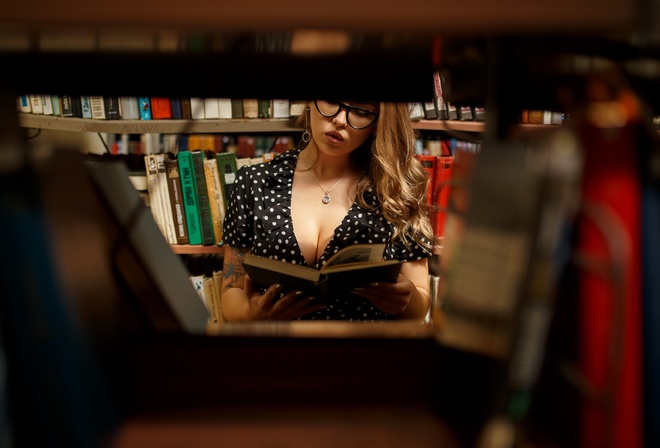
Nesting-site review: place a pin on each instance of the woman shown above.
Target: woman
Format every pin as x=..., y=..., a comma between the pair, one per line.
x=353, y=179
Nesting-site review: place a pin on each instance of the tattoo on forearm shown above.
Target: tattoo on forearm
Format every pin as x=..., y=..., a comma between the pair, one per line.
x=233, y=268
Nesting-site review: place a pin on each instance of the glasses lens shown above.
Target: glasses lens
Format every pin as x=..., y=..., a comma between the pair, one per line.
x=357, y=118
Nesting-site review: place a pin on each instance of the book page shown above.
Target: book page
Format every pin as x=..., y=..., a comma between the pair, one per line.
x=357, y=254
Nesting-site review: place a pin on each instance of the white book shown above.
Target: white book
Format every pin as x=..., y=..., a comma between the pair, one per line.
x=47, y=104
x=129, y=108
x=168, y=218
x=281, y=108
x=36, y=104
x=98, y=107
x=224, y=108
x=197, y=108
x=55, y=103
x=86, y=106
x=297, y=107
x=250, y=108
x=211, y=109
x=151, y=167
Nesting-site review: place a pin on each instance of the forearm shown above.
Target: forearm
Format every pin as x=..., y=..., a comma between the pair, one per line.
x=418, y=305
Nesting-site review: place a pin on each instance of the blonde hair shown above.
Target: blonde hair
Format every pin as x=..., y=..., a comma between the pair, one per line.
x=390, y=167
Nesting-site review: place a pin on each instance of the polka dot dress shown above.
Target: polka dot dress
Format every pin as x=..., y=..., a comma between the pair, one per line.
x=258, y=217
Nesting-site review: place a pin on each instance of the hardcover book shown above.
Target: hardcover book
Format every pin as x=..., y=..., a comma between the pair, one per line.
x=227, y=168
x=55, y=101
x=177, y=110
x=161, y=108
x=24, y=104
x=47, y=105
x=224, y=108
x=188, y=189
x=65, y=106
x=203, y=200
x=176, y=200
x=251, y=108
x=76, y=106
x=186, y=109
x=354, y=266
x=197, y=108
x=86, y=106
x=211, y=109
x=111, y=107
x=37, y=105
x=216, y=201
x=98, y=107
x=237, y=107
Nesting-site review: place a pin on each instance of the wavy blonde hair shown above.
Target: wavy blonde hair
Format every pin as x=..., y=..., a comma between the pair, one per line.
x=389, y=166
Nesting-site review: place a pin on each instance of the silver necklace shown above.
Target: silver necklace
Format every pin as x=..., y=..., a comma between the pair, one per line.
x=326, y=198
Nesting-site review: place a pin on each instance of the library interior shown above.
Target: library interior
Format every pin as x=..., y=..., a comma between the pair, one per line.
x=126, y=129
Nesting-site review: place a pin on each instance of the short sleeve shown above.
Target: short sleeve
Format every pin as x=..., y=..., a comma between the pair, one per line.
x=237, y=226
x=411, y=252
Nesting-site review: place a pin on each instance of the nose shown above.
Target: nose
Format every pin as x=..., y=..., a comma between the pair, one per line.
x=341, y=117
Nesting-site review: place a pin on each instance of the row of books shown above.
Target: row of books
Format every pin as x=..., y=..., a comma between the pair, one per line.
x=438, y=108
x=244, y=145
x=187, y=193
x=156, y=108
x=209, y=290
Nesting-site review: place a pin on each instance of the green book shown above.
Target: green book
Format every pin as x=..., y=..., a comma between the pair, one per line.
x=227, y=169
x=203, y=200
x=189, y=190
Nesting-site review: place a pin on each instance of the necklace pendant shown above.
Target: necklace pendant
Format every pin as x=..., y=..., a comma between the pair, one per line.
x=326, y=199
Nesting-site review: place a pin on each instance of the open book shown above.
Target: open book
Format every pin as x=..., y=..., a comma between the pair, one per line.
x=353, y=266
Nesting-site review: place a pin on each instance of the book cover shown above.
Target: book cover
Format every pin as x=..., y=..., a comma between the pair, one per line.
x=211, y=109
x=186, y=108
x=76, y=106
x=97, y=105
x=430, y=112
x=250, y=108
x=227, y=168
x=86, y=106
x=161, y=108
x=197, y=108
x=224, y=108
x=47, y=105
x=416, y=111
x=111, y=104
x=202, y=142
x=145, y=107
x=354, y=266
x=216, y=199
x=237, y=107
x=203, y=200
x=129, y=108
x=188, y=190
x=65, y=106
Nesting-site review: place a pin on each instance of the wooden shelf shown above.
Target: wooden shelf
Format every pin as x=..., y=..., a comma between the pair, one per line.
x=157, y=126
x=449, y=125
x=186, y=249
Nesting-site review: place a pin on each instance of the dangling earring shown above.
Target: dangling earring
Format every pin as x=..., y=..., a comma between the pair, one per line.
x=306, y=136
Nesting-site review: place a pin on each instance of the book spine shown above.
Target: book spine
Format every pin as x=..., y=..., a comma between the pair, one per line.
x=55, y=102
x=224, y=108
x=161, y=108
x=98, y=107
x=86, y=106
x=264, y=108
x=111, y=107
x=216, y=202
x=128, y=108
x=441, y=194
x=203, y=201
x=250, y=108
x=177, y=111
x=188, y=190
x=438, y=98
x=281, y=108
x=197, y=108
x=24, y=104
x=65, y=106
x=76, y=106
x=155, y=204
x=47, y=105
x=186, y=108
x=36, y=104
x=166, y=204
x=145, y=107
x=211, y=110
x=176, y=200
x=237, y=108
x=227, y=168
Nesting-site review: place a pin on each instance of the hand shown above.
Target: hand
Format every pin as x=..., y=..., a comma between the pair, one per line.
x=273, y=305
x=391, y=298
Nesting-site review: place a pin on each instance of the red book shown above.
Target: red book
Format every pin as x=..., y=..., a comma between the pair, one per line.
x=441, y=193
x=161, y=108
x=428, y=163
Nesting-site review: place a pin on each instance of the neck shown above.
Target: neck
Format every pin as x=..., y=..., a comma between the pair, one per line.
x=325, y=167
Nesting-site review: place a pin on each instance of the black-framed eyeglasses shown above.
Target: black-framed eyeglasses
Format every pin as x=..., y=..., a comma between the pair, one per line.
x=357, y=117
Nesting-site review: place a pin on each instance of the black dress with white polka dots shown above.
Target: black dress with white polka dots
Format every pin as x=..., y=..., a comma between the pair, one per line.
x=258, y=217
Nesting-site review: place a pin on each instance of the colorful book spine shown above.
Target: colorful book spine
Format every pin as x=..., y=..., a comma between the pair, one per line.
x=145, y=107
x=189, y=191
x=161, y=108
x=98, y=107
x=227, y=168
x=216, y=202
x=86, y=105
x=176, y=200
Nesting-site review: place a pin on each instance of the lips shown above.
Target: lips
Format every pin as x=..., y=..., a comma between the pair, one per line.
x=334, y=137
